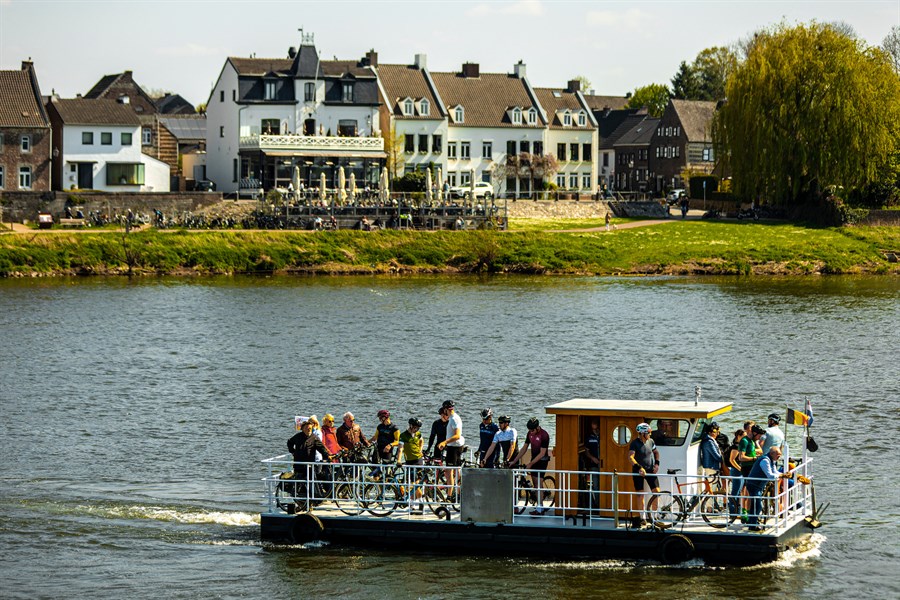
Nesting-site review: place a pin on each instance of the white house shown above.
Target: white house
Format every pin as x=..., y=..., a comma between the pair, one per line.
x=491, y=116
x=267, y=118
x=415, y=116
x=97, y=146
x=571, y=136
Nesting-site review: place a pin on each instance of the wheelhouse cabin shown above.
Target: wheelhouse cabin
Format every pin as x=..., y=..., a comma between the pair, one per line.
x=677, y=431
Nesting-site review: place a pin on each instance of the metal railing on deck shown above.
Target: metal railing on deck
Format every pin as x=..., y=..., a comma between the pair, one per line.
x=587, y=496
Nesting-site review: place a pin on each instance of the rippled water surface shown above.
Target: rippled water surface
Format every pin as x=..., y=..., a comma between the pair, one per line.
x=134, y=414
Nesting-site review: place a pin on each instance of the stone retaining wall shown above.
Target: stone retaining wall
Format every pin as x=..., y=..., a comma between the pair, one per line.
x=25, y=206
x=563, y=209
x=882, y=218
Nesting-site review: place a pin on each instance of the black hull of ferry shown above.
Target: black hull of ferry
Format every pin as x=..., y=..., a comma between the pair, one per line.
x=671, y=546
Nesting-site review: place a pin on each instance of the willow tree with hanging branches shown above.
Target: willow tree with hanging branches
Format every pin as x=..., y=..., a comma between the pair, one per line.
x=809, y=110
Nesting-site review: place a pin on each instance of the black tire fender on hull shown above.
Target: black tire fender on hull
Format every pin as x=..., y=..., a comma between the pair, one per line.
x=675, y=548
x=306, y=528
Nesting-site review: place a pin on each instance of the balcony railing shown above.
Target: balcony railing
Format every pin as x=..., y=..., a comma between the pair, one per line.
x=338, y=145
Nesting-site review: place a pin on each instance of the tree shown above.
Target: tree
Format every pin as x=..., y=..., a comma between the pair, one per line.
x=891, y=45
x=808, y=109
x=705, y=78
x=201, y=108
x=654, y=96
x=713, y=66
x=394, y=149
x=684, y=84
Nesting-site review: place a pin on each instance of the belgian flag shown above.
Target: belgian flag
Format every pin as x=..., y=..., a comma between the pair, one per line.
x=795, y=417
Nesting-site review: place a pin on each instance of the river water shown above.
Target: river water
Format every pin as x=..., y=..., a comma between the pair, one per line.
x=134, y=414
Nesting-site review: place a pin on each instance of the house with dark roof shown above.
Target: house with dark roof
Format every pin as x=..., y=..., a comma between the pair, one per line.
x=413, y=117
x=612, y=125
x=496, y=128
x=571, y=136
x=605, y=103
x=188, y=133
x=271, y=120
x=632, y=151
x=96, y=146
x=174, y=104
x=25, y=134
x=682, y=143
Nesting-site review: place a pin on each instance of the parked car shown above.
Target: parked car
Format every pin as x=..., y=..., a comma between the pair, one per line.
x=205, y=185
x=483, y=189
x=675, y=196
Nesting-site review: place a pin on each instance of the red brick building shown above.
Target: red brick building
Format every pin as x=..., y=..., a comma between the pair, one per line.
x=25, y=138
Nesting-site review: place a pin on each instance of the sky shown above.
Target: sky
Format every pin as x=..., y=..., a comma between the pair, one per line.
x=181, y=46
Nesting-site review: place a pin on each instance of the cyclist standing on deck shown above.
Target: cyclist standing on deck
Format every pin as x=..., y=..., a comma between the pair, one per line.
x=645, y=463
x=387, y=437
x=538, y=441
x=454, y=442
x=438, y=434
x=486, y=431
x=507, y=437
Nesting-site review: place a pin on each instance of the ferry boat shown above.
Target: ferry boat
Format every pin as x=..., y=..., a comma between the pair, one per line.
x=572, y=512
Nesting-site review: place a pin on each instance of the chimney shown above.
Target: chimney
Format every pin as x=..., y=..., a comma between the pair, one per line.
x=573, y=86
x=292, y=52
x=421, y=61
x=372, y=58
x=519, y=69
x=27, y=65
x=470, y=70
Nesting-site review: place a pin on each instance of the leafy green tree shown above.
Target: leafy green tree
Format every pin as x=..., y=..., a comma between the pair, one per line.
x=809, y=109
x=712, y=67
x=891, y=45
x=585, y=83
x=684, y=84
x=654, y=96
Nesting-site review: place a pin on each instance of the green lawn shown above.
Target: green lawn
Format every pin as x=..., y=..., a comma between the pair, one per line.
x=676, y=247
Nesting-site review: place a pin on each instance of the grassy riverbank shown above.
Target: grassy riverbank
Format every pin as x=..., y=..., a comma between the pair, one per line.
x=681, y=247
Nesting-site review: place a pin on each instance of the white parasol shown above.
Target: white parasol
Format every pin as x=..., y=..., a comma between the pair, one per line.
x=322, y=188
x=428, y=186
x=342, y=180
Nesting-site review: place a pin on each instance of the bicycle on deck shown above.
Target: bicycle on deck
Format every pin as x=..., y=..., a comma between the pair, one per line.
x=708, y=493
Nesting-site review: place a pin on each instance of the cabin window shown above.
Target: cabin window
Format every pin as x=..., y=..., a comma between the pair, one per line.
x=668, y=432
x=621, y=435
x=698, y=432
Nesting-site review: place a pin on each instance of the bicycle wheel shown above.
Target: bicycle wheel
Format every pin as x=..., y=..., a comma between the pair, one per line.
x=767, y=504
x=548, y=491
x=665, y=508
x=348, y=499
x=714, y=510
x=381, y=500
x=524, y=496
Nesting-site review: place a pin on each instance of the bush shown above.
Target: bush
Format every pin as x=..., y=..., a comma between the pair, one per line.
x=412, y=181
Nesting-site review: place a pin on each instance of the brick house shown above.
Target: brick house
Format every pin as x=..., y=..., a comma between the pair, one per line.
x=682, y=141
x=25, y=135
x=632, y=150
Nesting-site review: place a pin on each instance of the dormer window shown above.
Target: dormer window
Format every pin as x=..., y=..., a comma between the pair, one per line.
x=517, y=116
x=408, y=107
x=582, y=119
x=567, y=119
x=459, y=114
x=532, y=116
x=348, y=92
x=269, y=90
x=424, y=108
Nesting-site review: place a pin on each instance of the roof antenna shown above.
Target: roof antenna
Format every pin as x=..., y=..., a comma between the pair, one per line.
x=697, y=393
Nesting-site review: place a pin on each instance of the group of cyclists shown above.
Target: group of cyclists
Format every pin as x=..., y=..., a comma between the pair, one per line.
x=498, y=442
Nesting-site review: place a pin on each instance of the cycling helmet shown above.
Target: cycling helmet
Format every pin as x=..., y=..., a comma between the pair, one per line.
x=775, y=417
x=643, y=428
x=532, y=423
x=384, y=414
x=487, y=413
x=415, y=421
x=503, y=419
x=448, y=404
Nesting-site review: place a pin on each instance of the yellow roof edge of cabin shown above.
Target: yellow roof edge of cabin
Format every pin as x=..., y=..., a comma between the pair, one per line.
x=652, y=409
